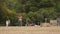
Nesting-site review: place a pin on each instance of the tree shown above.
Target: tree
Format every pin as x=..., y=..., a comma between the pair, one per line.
x=31, y=10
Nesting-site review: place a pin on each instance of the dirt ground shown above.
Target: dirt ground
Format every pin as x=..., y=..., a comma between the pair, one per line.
x=29, y=30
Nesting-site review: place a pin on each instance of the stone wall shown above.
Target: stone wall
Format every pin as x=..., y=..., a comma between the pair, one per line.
x=53, y=22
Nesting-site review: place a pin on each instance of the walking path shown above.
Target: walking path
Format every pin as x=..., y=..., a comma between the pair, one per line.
x=29, y=30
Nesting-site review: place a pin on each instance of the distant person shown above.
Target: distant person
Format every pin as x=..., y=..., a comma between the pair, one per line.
x=7, y=22
x=58, y=21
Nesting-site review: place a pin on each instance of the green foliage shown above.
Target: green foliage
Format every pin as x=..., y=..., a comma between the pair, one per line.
x=31, y=10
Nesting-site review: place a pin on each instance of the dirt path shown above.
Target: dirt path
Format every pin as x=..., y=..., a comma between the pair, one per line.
x=29, y=30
